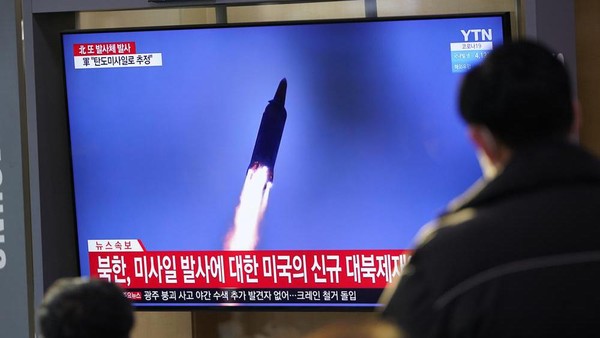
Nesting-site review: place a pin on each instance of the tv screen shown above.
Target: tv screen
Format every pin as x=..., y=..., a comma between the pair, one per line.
x=267, y=165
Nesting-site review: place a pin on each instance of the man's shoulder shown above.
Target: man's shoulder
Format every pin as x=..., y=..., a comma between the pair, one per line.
x=471, y=240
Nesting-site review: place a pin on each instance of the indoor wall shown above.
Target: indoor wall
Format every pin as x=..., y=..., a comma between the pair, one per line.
x=587, y=27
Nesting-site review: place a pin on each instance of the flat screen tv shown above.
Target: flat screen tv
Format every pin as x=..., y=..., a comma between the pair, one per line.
x=283, y=165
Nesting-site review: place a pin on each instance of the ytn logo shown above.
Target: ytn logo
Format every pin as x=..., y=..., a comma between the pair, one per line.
x=477, y=34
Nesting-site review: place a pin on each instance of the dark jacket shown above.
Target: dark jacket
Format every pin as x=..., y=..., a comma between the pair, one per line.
x=519, y=257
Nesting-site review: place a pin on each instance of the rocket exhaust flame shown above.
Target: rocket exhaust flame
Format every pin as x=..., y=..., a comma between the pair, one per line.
x=255, y=192
x=250, y=211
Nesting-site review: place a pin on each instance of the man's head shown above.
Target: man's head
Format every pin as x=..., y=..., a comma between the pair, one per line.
x=520, y=94
x=82, y=308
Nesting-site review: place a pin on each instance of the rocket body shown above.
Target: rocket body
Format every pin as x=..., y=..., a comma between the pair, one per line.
x=270, y=131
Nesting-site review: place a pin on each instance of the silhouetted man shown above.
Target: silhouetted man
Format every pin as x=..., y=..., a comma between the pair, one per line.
x=519, y=254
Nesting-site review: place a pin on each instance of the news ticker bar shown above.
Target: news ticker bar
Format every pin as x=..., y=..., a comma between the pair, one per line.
x=356, y=297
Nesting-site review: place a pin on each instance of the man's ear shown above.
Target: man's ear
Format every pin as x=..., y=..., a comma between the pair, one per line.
x=485, y=142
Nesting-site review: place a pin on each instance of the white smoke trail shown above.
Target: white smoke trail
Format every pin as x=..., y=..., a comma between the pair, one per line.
x=250, y=211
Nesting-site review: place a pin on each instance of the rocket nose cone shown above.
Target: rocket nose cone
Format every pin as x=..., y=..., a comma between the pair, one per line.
x=280, y=93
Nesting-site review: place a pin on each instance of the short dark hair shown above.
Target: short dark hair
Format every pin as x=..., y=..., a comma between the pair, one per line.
x=85, y=308
x=521, y=92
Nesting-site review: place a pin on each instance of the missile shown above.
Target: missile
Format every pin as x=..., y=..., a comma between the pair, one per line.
x=270, y=131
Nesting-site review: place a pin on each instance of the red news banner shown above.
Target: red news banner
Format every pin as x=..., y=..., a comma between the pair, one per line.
x=166, y=274
x=104, y=48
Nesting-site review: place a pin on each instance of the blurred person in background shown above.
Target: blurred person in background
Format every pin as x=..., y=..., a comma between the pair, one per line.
x=368, y=328
x=85, y=308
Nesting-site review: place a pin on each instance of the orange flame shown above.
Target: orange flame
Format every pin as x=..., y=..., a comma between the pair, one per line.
x=250, y=211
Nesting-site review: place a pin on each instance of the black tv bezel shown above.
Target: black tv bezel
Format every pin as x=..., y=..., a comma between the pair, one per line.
x=506, y=36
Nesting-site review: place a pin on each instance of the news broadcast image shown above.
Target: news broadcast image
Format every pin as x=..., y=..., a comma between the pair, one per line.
x=286, y=165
